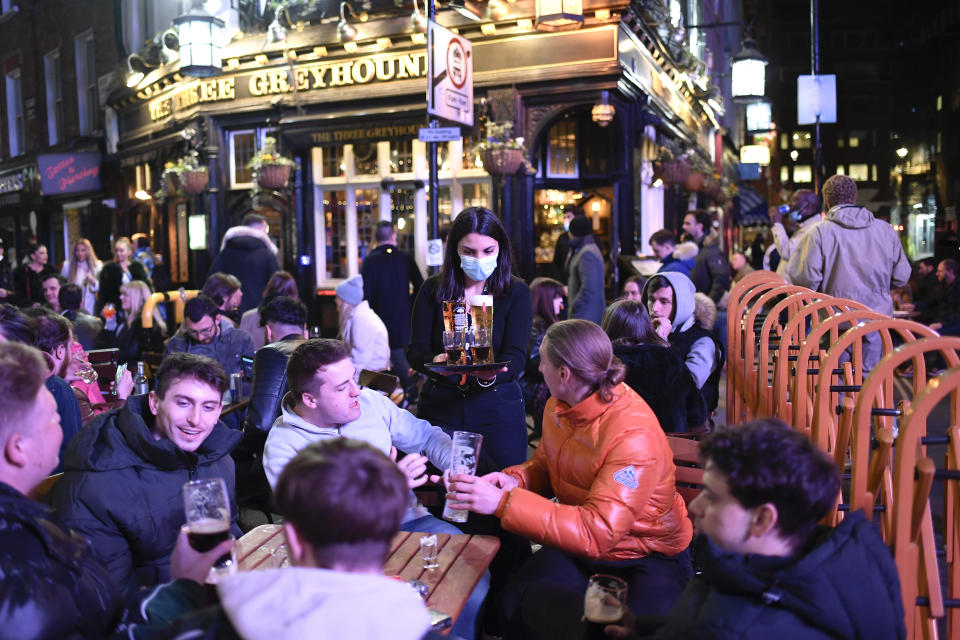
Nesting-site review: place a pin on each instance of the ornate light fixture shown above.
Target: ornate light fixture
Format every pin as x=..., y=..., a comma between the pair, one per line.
x=418, y=21
x=201, y=38
x=137, y=68
x=603, y=113
x=468, y=9
x=559, y=15
x=748, y=72
x=346, y=32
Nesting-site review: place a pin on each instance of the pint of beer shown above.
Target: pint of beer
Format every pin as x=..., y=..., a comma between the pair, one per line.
x=603, y=604
x=481, y=312
x=455, y=315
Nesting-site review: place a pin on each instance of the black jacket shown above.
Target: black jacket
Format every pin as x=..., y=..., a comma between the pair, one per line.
x=682, y=341
x=132, y=341
x=122, y=489
x=665, y=383
x=267, y=390
x=711, y=271
x=28, y=284
x=388, y=274
x=844, y=586
x=52, y=586
x=250, y=255
x=111, y=279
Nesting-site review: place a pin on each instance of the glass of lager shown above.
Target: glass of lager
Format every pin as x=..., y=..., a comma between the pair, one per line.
x=603, y=604
x=465, y=455
x=207, y=509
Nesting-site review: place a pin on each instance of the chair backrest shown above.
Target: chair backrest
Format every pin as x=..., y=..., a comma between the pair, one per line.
x=689, y=474
x=796, y=331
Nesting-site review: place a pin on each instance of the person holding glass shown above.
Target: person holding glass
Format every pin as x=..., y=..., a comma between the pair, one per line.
x=119, y=271
x=28, y=277
x=477, y=261
x=83, y=270
x=606, y=460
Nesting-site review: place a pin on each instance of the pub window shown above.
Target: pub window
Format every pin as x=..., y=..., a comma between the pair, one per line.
x=860, y=172
x=86, y=82
x=368, y=213
x=784, y=173
x=243, y=146
x=784, y=141
x=333, y=163
x=802, y=140
x=401, y=155
x=365, y=158
x=841, y=170
x=53, y=79
x=14, y=112
x=873, y=172
x=562, y=149
x=802, y=173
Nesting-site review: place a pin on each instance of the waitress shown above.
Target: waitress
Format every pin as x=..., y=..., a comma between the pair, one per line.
x=477, y=261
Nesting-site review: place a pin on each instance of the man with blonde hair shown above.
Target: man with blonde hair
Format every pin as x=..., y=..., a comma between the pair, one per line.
x=850, y=254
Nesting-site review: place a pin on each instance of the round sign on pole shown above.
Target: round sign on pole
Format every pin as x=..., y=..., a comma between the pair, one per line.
x=435, y=252
x=457, y=63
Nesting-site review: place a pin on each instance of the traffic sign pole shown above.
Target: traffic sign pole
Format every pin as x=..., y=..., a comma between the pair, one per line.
x=432, y=180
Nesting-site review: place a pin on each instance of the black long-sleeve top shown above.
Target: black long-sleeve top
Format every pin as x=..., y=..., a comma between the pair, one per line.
x=512, y=318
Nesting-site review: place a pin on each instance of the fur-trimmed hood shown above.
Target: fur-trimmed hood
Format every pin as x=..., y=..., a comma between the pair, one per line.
x=686, y=251
x=243, y=231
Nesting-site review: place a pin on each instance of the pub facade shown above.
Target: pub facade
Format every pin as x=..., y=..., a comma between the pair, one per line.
x=348, y=114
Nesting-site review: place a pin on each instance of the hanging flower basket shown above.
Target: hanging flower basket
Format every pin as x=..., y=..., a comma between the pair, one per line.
x=710, y=187
x=501, y=160
x=273, y=176
x=194, y=182
x=672, y=171
x=694, y=181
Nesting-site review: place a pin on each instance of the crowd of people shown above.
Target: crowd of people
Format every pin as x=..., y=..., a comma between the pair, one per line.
x=591, y=384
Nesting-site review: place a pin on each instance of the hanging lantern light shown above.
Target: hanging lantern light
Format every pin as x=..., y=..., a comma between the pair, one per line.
x=559, y=15
x=748, y=72
x=603, y=113
x=201, y=39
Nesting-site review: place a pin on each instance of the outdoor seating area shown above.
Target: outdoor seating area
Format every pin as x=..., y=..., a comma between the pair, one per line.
x=799, y=355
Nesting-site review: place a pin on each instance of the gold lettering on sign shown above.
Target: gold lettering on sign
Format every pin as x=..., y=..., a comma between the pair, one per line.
x=160, y=109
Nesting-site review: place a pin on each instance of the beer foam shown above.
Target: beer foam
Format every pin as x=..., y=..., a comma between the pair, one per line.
x=209, y=526
x=481, y=301
x=601, y=607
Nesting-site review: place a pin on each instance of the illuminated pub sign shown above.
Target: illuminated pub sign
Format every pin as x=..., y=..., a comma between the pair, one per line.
x=314, y=76
x=62, y=173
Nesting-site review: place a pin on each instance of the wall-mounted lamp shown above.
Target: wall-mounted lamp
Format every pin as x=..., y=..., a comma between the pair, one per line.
x=559, y=15
x=468, y=9
x=200, y=36
x=603, y=113
x=748, y=72
x=137, y=68
x=346, y=32
x=418, y=22
x=902, y=152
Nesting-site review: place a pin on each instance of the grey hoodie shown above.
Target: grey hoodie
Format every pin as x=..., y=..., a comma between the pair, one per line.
x=701, y=359
x=852, y=255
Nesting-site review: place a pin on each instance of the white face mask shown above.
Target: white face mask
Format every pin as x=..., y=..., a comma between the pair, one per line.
x=566, y=225
x=478, y=269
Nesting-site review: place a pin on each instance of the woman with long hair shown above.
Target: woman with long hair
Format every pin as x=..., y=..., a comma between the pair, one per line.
x=119, y=271
x=28, y=277
x=281, y=283
x=83, y=270
x=547, y=295
x=227, y=292
x=477, y=261
x=653, y=370
x=606, y=460
x=130, y=338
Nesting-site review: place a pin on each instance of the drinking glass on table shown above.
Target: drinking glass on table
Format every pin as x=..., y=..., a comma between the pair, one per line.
x=429, y=552
x=206, y=505
x=603, y=604
x=464, y=457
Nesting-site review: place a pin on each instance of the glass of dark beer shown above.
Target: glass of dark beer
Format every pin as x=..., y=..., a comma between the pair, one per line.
x=206, y=505
x=603, y=604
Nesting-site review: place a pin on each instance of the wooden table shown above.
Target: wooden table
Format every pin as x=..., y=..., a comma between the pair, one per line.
x=462, y=559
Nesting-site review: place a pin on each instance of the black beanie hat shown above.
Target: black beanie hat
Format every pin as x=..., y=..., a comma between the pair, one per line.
x=580, y=226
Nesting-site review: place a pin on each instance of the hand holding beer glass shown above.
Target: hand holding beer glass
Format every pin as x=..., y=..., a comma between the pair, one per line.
x=603, y=604
x=206, y=505
x=465, y=455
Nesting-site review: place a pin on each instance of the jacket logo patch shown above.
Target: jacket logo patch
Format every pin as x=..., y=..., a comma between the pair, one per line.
x=627, y=477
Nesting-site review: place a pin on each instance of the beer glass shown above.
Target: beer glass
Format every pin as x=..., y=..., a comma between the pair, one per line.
x=464, y=456
x=454, y=344
x=428, y=551
x=455, y=315
x=481, y=347
x=206, y=505
x=603, y=604
x=481, y=312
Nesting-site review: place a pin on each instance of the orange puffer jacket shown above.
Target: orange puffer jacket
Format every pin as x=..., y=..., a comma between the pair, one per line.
x=611, y=468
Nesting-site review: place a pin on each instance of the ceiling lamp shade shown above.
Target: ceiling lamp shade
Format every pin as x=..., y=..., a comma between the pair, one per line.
x=559, y=15
x=201, y=37
x=748, y=73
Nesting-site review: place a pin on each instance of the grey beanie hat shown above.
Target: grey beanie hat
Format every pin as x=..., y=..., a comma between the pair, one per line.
x=351, y=291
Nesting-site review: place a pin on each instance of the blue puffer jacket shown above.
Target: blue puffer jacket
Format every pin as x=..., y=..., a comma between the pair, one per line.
x=51, y=585
x=123, y=490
